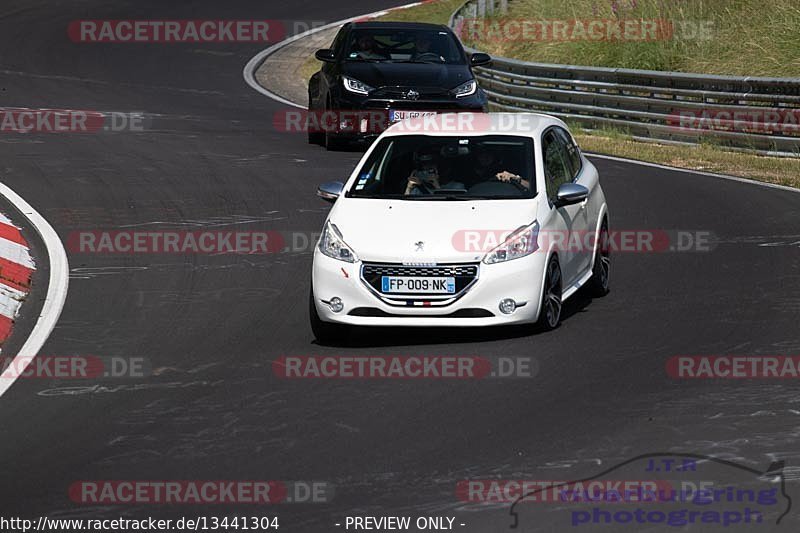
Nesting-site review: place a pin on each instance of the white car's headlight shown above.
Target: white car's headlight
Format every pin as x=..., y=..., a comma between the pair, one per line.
x=332, y=244
x=466, y=89
x=355, y=86
x=522, y=242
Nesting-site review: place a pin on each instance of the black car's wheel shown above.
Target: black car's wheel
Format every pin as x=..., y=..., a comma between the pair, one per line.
x=330, y=138
x=324, y=332
x=332, y=141
x=314, y=137
x=550, y=314
x=601, y=271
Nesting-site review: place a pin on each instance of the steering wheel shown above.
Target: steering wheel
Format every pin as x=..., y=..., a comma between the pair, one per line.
x=518, y=184
x=428, y=56
x=373, y=54
x=511, y=181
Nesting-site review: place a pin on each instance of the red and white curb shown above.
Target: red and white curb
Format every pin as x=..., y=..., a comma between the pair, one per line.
x=16, y=267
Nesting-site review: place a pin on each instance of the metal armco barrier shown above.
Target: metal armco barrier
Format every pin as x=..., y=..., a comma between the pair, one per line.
x=647, y=104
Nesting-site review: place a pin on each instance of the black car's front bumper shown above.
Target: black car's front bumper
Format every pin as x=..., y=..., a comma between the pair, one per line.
x=362, y=118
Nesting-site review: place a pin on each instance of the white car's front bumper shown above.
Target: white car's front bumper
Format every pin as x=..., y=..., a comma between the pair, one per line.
x=519, y=279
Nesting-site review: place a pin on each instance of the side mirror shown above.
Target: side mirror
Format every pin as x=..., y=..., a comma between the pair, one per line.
x=326, y=55
x=570, y=193
x=330, y=191
x=480, y=59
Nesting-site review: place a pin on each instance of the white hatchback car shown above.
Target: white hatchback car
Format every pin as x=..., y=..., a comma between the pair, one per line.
x=488, y=220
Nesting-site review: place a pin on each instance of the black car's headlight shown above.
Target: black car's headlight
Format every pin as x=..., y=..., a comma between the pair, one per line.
x=355, y=86
x=332, y=244
x=465, y=89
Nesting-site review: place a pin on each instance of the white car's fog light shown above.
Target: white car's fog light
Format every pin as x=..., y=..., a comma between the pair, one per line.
x=336, y=304
x=507, y=306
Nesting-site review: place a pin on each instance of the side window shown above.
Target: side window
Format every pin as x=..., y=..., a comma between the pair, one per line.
x=573, y=154
x=557, y=169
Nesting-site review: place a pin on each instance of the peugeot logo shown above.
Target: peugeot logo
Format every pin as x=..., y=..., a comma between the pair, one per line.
x=420, y=246
x=412, y=94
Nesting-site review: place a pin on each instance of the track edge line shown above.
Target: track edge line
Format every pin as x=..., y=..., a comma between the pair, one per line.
x=57, y=287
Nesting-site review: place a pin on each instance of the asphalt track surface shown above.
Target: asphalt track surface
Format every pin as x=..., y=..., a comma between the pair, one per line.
x=211, y=325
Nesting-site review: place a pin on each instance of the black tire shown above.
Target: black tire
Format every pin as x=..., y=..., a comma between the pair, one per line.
x=324, y=332
x=314, y=137
x=550, y=313
x=331, y=140
x=598, y=285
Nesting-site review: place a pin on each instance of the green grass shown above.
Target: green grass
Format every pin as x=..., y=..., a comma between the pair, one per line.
x=435, y=12
x=747, y=37
x=705, y=157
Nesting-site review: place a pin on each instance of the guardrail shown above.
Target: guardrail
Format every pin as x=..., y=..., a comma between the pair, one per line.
x=648, y=104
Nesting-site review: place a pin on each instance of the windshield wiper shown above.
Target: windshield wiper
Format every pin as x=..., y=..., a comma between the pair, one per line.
x=415, y=61
x=438, y=197
x=378, y=196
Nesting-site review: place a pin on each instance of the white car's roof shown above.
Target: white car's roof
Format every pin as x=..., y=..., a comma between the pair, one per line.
x=446, y=124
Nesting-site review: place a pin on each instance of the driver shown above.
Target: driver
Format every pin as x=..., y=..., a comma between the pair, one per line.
x=422, y=46
x=367, y=48
x=486, y=165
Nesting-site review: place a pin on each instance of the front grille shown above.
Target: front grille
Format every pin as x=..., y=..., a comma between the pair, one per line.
x=401, y=93
x=374, y=269
x=464, y=275
x=414, y=105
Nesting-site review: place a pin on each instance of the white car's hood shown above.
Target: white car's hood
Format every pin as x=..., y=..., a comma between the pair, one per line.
x=449, y=231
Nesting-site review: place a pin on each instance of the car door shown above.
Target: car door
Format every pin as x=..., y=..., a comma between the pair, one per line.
x=557, y=171
x=583, y=224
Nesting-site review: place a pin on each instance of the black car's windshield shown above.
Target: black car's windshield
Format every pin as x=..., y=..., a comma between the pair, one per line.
x=430, y=168
x=403, y=45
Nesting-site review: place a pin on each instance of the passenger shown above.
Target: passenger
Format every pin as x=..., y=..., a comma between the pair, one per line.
x=425, y=178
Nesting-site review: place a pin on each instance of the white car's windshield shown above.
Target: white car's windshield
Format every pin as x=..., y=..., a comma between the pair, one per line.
x=421, y=167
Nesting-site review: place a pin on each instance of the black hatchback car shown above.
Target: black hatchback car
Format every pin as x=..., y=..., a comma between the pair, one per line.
x=378, y=73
